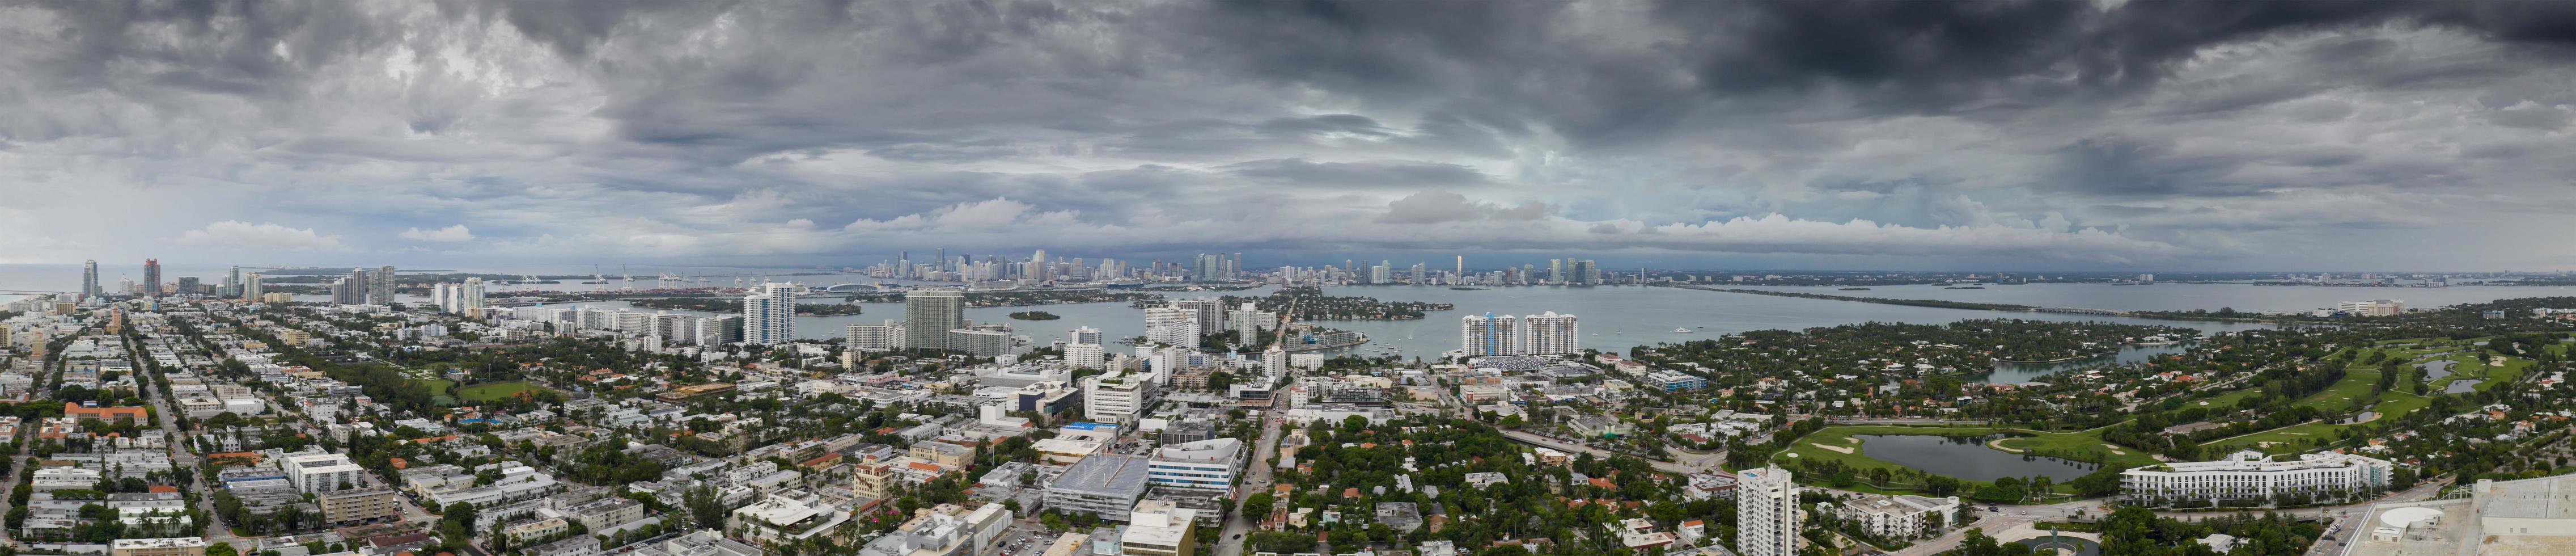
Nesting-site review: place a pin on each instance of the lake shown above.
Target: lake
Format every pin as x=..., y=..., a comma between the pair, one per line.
x=1966, y=457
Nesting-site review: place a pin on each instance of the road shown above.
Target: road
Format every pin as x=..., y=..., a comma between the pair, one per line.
x=1256, y=478
x=182, y=458
x=26, y=446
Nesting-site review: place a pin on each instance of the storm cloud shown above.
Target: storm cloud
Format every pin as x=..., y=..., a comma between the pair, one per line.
x=2214, y=134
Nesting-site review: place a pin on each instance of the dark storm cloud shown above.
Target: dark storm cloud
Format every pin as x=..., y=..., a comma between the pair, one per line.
x=244, y=48
x=1617, y=118
x=2122, y=166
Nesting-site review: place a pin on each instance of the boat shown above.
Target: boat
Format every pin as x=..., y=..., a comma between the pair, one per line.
x=1684, y=330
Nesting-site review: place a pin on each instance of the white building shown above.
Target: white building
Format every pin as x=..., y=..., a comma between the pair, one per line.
x=1550, y=334
x=1766, y=513
x=1541, y=334
x=1119, y=397
x=2251, y=475
x=1085, y=335
x=1172, y=325
x=2372, y=308
x=874, y=337
x=1083, y=355
x=1158, y=528
x=769, y=317
x=314, y=472
x=1202, y=465
x=1489, y=334
x=1900, y=517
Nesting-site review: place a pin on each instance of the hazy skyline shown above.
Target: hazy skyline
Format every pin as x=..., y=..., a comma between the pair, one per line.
x=1897, y=135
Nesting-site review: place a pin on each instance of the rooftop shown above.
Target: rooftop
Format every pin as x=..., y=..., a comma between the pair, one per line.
x=1107, y=474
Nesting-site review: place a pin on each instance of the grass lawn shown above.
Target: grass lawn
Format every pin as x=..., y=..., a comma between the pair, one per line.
x=2345, y=395
x=437, y=385
x=498, y=390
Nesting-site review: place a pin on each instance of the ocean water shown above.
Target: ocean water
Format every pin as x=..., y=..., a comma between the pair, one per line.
x=1613, y=318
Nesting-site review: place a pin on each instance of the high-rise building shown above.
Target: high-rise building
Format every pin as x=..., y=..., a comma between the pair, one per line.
x=1210, y=310
x=1172, y=325
x=873, y=337
x=380, y=286
x=358, y=287
x=1556, y=271
x=187, y=285
x=1489, y=334
x=1766, y=513
x=152, y=277
x=349, y=291
x=232, y=283
x=473, y=302
x=769, y=315
x=89, y=279
x=1550, y=334
x=928, y=315
x=1084, y=356
x=252, y=287
x=1085, y=335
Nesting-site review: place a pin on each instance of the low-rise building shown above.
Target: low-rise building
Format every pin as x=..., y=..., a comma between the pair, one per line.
x=1202, y=465
x=170, y=546
x=1107, y=485
x=360, y=504
x=1158, y=528
x=1900, y=517
x=2252, y=475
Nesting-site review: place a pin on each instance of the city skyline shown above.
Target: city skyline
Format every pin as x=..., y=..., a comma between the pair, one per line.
x=2062, y=136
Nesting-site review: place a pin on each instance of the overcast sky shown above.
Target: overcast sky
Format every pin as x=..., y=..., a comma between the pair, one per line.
x=1873, y=134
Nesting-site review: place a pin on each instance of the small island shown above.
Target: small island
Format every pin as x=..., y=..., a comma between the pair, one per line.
x=1035, y=315
x=1312, y=304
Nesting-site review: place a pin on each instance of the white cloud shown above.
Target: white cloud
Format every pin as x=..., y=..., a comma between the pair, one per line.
x=447, y=234
x=236, y=234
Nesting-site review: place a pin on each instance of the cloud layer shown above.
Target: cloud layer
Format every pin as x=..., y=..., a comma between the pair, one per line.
x=2045, y=134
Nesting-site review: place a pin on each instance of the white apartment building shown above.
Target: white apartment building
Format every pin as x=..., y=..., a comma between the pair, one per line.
x=2372, y=308
x=769, y=317
x=1082, y=355
x=315, y=472
x=1900, y=517
x=1119, y=397
x=1202, y=465
x=874, y=337
x=1542, y=334
x=1172, y=325
x=1489, y=334
x=1550, y=334
x=2252, y=475
x=1766, y=513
